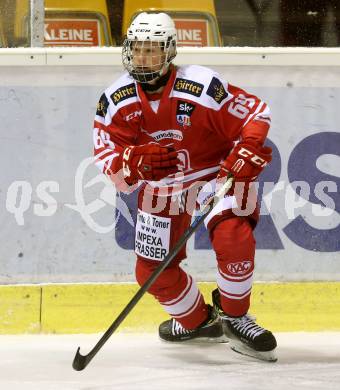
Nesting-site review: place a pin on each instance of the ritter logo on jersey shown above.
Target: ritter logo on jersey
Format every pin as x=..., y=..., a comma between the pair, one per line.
x=184, y=112
x=102, y=106
x=216, y=90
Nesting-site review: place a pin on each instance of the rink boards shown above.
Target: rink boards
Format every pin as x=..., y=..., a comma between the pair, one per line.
x=91, y=308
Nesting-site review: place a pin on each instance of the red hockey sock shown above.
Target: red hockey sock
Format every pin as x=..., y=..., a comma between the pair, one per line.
x=176, y=291
x=234, y=244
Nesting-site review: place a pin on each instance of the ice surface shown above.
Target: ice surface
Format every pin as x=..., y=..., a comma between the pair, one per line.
x=141, y=361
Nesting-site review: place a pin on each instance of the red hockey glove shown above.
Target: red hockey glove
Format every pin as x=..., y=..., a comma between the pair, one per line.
x=246, y=161
x=148, y=162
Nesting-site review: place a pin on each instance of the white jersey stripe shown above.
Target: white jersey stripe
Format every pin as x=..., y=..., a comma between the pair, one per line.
x=103, y=152
x=105, y=162
x=169, y=186
x=250, y=117
x=263, y=120
x=264, y=116
x=100, y=119
x=224, y=204
x=207, y=191
x=184, y=177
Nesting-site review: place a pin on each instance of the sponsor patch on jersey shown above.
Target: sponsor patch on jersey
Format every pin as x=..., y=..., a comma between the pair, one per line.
x=133, y=115
x=216, y=90
x=188, y=86
x=152, y=236
x=102, y=106
x=164, y=134
x=123, y=93
x=184, y=112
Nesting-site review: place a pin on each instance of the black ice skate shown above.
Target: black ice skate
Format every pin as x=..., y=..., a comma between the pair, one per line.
x=210, y=331
x=245, y=336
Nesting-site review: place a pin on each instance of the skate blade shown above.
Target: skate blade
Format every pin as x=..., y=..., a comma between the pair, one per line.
x=268, y=356
x=197, y=340
x=217, y=340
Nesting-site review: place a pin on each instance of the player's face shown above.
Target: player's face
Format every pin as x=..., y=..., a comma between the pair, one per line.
x=147, y=56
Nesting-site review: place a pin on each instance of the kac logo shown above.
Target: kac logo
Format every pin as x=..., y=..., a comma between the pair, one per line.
x=239, y=268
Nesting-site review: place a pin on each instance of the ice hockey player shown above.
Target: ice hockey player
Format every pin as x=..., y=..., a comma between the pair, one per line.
x=169, y=129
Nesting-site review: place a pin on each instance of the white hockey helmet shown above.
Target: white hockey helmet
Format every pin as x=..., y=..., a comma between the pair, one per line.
x=155, y=30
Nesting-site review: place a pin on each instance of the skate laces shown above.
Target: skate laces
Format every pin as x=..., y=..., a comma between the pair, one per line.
x=247, y=326
x=177, y=328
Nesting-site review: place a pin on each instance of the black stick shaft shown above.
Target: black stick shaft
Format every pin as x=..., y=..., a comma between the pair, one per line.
x=81, y=361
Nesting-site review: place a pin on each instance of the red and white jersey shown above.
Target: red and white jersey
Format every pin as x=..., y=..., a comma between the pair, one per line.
x=199, y=114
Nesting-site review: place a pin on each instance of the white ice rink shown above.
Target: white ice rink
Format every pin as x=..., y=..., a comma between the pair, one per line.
x=142, y=362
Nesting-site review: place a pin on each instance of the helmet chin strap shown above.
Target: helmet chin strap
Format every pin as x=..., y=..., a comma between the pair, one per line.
x=146, y=78
x=164, y=70
x=160, y=82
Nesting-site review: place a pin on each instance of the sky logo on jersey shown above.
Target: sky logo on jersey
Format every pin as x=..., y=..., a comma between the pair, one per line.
x=123, y=93
x=188, y=86
x=216, y=90
x=183, y=113
x=102, y=106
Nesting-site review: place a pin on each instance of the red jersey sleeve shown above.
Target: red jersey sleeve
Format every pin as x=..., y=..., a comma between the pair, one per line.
x=111, y=135
x=242, y=116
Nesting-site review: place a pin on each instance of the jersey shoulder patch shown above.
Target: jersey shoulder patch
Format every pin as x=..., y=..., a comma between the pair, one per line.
x=216, y=90
x=197, y=73
x=187, y=82
x=203, y=84
x=123, y=91
x=191, y=79
x=102, y=106
x=119, y=94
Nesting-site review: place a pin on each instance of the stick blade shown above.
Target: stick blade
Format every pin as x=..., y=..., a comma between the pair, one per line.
x=79, y=361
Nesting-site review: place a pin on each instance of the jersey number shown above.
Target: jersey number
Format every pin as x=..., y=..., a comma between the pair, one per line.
x=101, y=139
x=240, y=106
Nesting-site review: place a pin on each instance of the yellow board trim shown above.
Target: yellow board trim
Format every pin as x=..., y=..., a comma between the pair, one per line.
x=90, y=308
x=20, y=309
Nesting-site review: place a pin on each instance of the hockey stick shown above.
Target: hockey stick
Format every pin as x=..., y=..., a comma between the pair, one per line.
x=81, y=361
